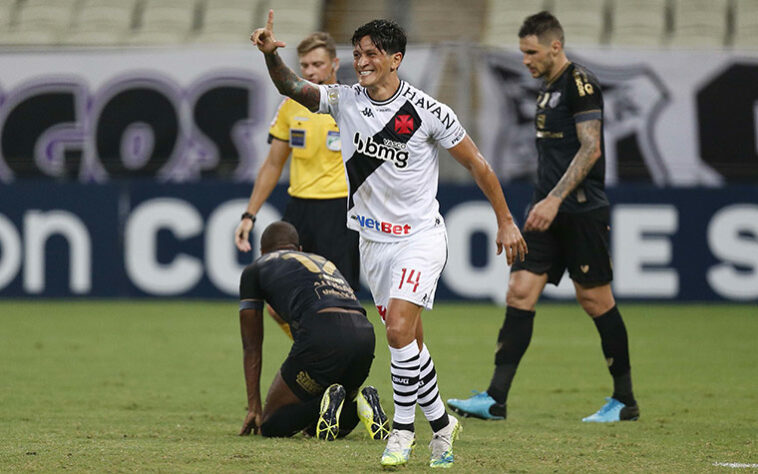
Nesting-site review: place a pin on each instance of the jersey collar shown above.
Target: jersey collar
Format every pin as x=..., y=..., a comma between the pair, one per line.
x=558, y=76
x=385, y=102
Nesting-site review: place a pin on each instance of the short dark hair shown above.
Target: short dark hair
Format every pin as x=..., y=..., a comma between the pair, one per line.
x=541, y=25
x=279, y=235
x=385, y=34
x=315, y=40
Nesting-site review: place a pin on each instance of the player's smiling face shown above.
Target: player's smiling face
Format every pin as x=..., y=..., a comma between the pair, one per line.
x=318, y=67
x=538, y=57
x=374, y=67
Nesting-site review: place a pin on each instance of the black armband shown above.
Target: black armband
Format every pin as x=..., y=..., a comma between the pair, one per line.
x=247, y=215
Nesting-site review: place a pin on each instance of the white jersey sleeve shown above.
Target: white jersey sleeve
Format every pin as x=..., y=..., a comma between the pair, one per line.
x=329, y=100
x=447, y=136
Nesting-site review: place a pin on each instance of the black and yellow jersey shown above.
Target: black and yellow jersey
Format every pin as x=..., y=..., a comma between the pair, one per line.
x=574, y=96
x=296, y=284
x=316, y=169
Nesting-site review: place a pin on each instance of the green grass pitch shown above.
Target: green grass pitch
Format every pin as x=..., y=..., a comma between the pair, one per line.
x=158, y=386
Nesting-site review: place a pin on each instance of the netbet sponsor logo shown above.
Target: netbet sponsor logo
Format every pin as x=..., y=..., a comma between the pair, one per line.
x=387, y=151
x=386, y=227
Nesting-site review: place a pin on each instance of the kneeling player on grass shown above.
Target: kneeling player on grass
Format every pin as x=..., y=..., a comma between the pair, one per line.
x=317, y=386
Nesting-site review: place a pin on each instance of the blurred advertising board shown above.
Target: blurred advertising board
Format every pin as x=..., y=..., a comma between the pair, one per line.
x=139, y=238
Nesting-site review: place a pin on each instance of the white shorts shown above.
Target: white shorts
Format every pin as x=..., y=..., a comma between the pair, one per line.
x=407, y=269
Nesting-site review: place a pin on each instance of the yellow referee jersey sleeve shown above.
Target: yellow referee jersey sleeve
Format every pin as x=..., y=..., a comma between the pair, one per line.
x=316, y=169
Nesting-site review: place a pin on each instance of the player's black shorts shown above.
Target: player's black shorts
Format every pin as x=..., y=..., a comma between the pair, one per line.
x=578, y=242
x=322, y=225
x=329, y=348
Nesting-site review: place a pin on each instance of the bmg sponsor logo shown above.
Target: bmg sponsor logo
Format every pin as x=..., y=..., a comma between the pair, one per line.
x=387, y=151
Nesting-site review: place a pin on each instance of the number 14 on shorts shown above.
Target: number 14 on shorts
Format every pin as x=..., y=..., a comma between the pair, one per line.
x=413, y=279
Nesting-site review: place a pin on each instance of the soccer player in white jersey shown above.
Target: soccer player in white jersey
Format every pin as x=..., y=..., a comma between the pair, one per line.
x=390, y=132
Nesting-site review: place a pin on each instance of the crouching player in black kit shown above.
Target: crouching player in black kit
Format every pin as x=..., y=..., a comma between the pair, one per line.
x=316, y=388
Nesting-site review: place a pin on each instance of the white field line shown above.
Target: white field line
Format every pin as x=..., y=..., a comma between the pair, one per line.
x=736, y=465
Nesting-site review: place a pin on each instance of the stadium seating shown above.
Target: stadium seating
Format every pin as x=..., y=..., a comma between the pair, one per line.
x=584, y=21
x=633, y=23
x=746, y=24
x=7, y=17
x=165, y=22
x=101, y=22
x=504, y=17
x=229, y=21
x=699, y=23
x=7, y=10
x=642, y=23
x=38, y=22
x=295, y=19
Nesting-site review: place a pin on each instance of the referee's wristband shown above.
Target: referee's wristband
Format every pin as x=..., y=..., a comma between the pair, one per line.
x=247, y=215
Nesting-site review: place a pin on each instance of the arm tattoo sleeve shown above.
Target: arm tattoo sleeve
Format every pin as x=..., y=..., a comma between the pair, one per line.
x=289, y=84
x=584, y=160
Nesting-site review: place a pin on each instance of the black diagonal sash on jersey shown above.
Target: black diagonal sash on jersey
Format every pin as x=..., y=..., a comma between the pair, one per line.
x=400, y=129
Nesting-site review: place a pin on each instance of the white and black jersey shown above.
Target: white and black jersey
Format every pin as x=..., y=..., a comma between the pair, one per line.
x=391, y=158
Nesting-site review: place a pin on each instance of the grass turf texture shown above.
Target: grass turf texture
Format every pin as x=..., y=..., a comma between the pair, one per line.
x=158, y=386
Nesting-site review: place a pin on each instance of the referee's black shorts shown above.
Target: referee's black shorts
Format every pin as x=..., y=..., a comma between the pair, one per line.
x=322, y=225
x=578, y=242
x=329, y=348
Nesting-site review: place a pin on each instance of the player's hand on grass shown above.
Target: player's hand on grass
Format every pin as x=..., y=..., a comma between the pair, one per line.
x=542, y=214
x=252, y=423
x=242, y=234
x=264, y=39
x=510, y=239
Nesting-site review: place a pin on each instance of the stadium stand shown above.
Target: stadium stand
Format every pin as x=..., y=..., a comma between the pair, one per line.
x=504, y=18
x=101, y=22
x=586, y=21
x=745, y=24
x=699, y=23
x=38, y=22
x=435, y=20
x=341, y=19
x=165, y=22
x=643, y=23
x=296, y=18
x=229, y=21
x=634, y=23
x=7, y=16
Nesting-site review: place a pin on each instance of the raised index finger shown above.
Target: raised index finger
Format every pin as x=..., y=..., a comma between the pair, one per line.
x=270, y=21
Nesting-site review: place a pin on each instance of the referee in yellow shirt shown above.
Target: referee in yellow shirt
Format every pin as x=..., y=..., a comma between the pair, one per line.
x=318, y=187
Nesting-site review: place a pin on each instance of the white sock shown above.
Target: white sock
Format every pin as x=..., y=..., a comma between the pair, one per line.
x=404, y=369
x=428, y=394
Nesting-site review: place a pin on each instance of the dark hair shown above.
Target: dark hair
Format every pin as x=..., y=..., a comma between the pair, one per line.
x=385, y=34
x=542, y=24
x=279, y=235
x=318, y=39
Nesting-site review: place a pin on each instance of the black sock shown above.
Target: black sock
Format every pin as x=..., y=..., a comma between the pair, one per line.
x=403, y=426
x=290, y=419
x=615, y=344
x=440, y=423
x=348, y=418
x=512, y=341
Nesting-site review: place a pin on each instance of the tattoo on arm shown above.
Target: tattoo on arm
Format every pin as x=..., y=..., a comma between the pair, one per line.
x=589, y=152
x=289, y=84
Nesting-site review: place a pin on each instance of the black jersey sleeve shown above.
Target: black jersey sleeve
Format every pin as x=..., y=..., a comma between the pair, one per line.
x=583, y=96
x=250, y=289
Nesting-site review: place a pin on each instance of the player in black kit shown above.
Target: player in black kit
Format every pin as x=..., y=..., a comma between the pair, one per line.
x=567, y=225
x=317, y=386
